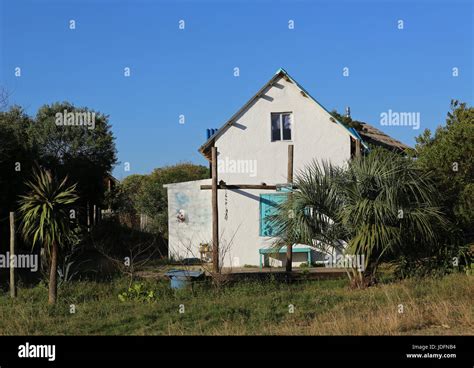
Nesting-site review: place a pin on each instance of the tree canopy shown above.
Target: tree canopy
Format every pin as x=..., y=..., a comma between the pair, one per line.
x=449, y=155
x=85, y=154
x=17, y=154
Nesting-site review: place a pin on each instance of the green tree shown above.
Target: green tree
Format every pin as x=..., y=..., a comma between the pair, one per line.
x=123, y=199
x=3, y=98
x=16, y=155
x=449, y=156
x=45, y=218
x=85, y=153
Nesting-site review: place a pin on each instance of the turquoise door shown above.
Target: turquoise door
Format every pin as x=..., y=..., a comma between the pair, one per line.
x=269, y=207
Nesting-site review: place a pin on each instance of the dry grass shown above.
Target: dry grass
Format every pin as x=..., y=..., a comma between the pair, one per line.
x=444, y=308
x=430, y=306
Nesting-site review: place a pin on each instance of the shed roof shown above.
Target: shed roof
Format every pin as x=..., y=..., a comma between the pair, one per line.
x=373, y=135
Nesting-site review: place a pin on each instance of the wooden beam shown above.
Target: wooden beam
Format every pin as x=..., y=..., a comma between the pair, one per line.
x=357, y=148
x=12, y=255
x=289, y=247
x=290, y=163
x=215, y=212
x=240, y=186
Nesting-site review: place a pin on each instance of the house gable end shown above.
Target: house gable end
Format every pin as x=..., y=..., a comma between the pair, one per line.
x=281, y=74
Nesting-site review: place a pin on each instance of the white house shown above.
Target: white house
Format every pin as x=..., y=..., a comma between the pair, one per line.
x=252, y=148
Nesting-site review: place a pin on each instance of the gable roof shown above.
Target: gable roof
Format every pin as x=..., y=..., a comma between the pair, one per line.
x=281, y=73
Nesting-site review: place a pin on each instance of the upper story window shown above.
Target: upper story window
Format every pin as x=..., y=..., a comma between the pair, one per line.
x=282, y=126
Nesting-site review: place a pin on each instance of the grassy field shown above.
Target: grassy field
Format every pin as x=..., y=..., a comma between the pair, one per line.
x=430, y=306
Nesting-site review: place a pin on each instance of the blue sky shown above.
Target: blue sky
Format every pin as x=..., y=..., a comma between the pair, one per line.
x=190, y=71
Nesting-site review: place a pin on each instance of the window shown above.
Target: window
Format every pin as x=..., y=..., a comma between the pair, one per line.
x=282, y=124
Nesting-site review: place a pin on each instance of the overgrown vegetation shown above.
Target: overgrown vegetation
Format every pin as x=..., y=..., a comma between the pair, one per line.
x=430, y=306
x=449, y=156
x=381, y=207
x=416, y=214
x=414, y=209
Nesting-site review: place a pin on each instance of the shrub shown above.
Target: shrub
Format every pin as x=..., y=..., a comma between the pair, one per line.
x=138, y=293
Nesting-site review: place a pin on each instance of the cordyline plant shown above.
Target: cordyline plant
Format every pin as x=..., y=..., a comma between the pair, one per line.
x=377, y=205
x=45, y=218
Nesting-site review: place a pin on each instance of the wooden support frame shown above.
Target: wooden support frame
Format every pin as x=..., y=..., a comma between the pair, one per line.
x=357, y=148
x=289, y=247
x=215, y=186
x=215, y=212
x=223, y=185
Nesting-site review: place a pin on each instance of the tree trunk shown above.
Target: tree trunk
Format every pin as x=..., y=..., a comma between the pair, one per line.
x=53, y=272
x=362, y=280
x=289, y=257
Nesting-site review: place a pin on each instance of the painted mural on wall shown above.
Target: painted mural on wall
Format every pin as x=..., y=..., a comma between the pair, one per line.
x=192, y=210
x=182, y=201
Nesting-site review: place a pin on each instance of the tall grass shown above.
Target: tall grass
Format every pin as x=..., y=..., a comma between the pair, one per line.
x=430, y=306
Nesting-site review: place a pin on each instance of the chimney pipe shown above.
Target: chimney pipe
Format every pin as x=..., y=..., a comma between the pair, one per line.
x=348, y=112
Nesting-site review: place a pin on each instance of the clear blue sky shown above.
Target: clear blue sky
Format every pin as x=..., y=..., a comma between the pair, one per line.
x=190, y=71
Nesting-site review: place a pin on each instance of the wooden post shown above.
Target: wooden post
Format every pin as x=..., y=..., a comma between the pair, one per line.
x=215, y=212
x=357, y=148
x=88, y=216
x=289, y=247
x=109, y=186
x=94, y=214
x=12, y=255
x=240, y=186
x=290, y=163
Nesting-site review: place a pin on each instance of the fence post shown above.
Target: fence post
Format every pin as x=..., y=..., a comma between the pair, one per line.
x=12, y=255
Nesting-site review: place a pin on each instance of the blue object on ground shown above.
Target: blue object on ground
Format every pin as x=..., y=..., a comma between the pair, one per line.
x=181, y=278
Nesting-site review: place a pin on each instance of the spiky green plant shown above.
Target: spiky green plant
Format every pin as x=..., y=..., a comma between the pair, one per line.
x=311, y=213
x=389, y=207
x=377, y=204
x=45, y=219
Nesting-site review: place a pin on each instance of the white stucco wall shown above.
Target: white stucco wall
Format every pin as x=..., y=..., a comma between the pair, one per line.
x=185, y=237
x=248, y=140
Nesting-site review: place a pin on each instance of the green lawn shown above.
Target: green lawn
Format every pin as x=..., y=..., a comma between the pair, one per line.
x=430, y=306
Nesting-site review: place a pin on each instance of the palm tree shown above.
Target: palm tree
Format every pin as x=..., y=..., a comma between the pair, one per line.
x=45, y=218
x=389, y=207
x=311, y=213
x=378, y=204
